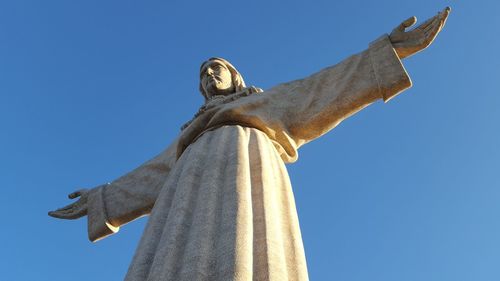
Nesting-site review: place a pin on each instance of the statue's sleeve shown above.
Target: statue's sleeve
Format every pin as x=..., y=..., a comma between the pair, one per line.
x=302, y=110
x=128, y=197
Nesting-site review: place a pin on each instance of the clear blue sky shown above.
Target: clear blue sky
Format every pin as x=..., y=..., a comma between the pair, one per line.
x=408, y=190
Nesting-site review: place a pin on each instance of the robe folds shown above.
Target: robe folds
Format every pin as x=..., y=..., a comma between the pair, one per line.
x=220, y=201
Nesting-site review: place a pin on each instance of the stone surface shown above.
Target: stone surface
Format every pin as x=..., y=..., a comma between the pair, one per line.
x=219, y=197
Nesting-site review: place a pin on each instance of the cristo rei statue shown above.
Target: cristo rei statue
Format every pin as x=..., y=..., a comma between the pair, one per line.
x=219, y=197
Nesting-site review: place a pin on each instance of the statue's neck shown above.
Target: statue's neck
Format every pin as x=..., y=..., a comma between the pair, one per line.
x=216, y=100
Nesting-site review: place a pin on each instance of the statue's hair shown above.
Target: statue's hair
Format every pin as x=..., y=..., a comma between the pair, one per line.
x=238, y=82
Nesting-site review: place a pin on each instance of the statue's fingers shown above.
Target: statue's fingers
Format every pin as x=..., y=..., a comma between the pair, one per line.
x=435, y=24
x=61, y=214
x=78, y=213
x=440, y=16
x=77, y=193
x=68, y=214
x=74, y=195
x=409, y=22
x=54, y=214
x=439, y=19
x=428, y=23
x=431, y=34
x=444, y=15
x=405, y=24
x=67, y=207
x=447, y=10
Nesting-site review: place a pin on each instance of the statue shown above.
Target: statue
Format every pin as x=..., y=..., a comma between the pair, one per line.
x=219, y=197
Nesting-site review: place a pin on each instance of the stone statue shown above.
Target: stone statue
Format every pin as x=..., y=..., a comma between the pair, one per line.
x=219, y=197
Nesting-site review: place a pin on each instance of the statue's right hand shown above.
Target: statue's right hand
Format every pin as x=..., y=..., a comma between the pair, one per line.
x=75, y=210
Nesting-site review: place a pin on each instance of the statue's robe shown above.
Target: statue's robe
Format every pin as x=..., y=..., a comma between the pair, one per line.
x=220, y=201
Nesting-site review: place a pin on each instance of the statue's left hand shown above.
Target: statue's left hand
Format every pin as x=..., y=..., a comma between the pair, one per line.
x=74, y=210
x=407, y=43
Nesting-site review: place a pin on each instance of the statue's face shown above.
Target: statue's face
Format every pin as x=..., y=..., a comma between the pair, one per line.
x=216, y=79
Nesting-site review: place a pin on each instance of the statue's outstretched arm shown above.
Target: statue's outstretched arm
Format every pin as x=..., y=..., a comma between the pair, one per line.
x=114, y=204
x=299, y=111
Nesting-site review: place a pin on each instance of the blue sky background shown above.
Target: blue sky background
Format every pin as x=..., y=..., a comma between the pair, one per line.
x=407, y=190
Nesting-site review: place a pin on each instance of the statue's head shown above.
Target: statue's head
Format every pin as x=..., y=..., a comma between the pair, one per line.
x=219, y=77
